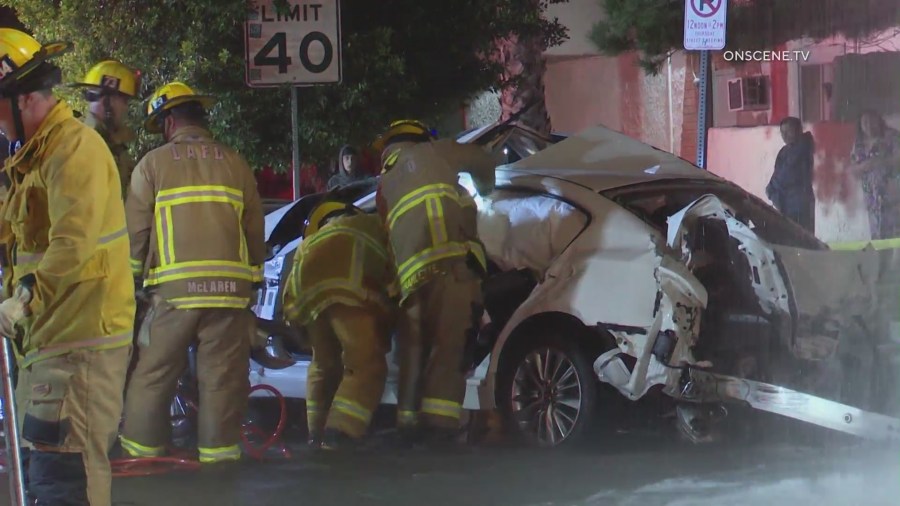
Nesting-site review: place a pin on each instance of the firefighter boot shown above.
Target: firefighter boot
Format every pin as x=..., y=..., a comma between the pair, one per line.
x=336, y=440
x=314, y=441
x=441, y=439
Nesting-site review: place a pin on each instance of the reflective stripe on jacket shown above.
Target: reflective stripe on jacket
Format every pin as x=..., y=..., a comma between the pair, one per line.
x=118, y=145
x=345, y=262
x=63, y=222
x=196, y=223
x=429, y=217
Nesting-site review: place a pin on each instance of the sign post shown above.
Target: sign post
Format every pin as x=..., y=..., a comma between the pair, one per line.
x=297, y=43
x=295, y=140
x=704, y=31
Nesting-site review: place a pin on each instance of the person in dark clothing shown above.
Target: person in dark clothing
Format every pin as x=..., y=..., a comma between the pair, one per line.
x=791, y=186
x=348, y=169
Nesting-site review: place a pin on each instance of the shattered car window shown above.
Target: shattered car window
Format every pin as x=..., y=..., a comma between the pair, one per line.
x=523, y=146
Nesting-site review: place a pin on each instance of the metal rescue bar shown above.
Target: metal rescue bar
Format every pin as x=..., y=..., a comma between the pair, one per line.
x=11, y=429
x=710, y=387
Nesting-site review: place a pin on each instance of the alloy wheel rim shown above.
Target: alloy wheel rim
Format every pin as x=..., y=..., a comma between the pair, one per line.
x=546, y=396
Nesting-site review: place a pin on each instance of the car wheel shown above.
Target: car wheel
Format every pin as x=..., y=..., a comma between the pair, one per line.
x=547, y=391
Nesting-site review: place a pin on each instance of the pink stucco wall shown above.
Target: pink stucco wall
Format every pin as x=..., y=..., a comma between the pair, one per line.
x=746, y=156
x=584, y=91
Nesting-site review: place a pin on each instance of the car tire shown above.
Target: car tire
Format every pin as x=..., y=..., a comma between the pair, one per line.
x=547, y=406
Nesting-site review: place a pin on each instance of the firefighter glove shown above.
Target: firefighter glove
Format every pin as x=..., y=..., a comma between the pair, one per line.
x=12, y=310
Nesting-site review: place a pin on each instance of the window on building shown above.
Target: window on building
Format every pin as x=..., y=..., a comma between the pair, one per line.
x=816, y=92
x=748, y=93
x=740, y=101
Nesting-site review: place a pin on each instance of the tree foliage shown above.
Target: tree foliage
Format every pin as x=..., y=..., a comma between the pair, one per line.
x=656, y=27
x=401, y=58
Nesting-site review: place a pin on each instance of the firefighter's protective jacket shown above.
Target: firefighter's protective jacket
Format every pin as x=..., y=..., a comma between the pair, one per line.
x=345, y=262
x=118, y=144
x=430, y=217
x=63, y=229
x=196, y=223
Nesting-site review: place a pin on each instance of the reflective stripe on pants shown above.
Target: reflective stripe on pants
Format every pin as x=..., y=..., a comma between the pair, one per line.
x=346, y=377
x=138, y=450
x=431, y=340
x=441, y=407
x=222, y=356
x=221, y=454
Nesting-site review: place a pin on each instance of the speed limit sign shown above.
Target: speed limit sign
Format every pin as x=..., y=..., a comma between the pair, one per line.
x=295, y=42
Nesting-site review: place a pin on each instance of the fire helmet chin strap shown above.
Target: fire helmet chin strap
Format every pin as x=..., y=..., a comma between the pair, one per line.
x=108, y=120
x=19, y=134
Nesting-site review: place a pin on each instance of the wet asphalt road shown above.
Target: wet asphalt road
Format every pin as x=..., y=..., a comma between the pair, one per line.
x=645, y=470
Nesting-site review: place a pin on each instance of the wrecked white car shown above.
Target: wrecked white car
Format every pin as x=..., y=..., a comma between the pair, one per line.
x=617, y=263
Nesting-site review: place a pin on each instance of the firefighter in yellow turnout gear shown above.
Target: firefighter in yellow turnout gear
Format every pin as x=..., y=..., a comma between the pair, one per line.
x=432, y=227
x=339, y=289
x=69, y=298
x=197, y=240
x=108, y=86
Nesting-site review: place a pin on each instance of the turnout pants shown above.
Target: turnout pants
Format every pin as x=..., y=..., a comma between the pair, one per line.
x=223, y=355
x=140, y=313
x=69, y=412
x=436, y=338
x=346, y=377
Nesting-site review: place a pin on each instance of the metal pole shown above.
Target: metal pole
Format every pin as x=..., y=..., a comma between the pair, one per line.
x=10, y=422
x=295, y=138
x=703, y=110
x=671, y=110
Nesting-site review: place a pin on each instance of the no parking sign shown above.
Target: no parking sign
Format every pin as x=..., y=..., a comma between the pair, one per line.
x=704, y=25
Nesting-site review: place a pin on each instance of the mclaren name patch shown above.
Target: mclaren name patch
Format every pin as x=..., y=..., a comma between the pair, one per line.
x=212, y=287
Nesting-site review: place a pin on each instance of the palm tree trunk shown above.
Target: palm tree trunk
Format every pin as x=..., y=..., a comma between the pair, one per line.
x=524, y=64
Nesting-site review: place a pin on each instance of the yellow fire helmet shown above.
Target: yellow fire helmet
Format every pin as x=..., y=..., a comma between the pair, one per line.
x=111, y=75
x=324, y=211
x=169, y=96
x=405, y=128
x=21, y=54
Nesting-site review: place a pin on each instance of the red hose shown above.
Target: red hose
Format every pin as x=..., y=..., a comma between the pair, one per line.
x=138, y=467
x=258, y=452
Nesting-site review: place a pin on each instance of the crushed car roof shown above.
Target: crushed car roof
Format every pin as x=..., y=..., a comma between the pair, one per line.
x=602, y=159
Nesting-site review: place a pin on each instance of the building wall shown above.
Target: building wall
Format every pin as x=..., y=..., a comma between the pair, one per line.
x=746, y=156
x=582, y=92
x=585, y=91
x=579, y=16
